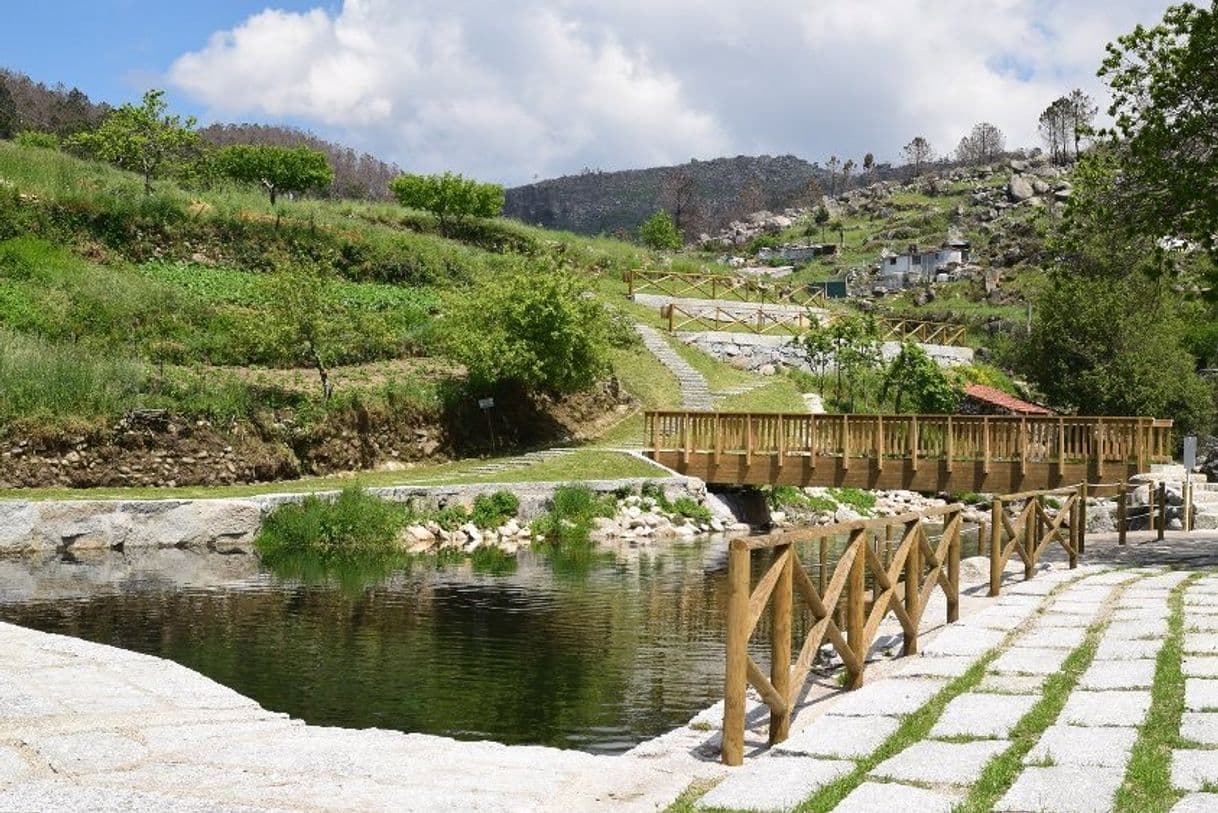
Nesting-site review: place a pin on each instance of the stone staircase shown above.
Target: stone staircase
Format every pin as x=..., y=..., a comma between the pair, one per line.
x=695, y=392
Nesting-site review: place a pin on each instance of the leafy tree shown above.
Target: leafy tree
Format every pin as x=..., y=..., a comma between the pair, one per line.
x=869, y=165
x=1057, y=129
x=1165, y=105
x=659, y=232
x=983, y=145
x=532, y=329
x=918, y=153
x=34, y=138
x=143, y=138
x=822, y=218
x=276, y=169
x=448, y=196
x=1082, y=116
x=818, y=344
x=856, y=353
x=847, y=171
x=914, y=374
x=306, y=323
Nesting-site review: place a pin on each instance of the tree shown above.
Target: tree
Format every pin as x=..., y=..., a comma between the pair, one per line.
x=847, y=171
x=1165, y=106
x=660, y=232
x=869, y=166
x=752, y=198
x=834, y=163
x=917, y=153
x=276, y=169
x=814, y=193
x=1056, y=129
x=8, y=112
x=144, y=138
x=1082, y=116
x=529, y=328
x=448, y=196
x=679, y=195
x=822, y=218
x=856, y=352
x=914, y=374
x=306, y=323
x=984, y=144
x=818, y=344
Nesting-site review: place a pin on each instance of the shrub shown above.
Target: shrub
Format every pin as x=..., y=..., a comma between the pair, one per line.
x=659, y=232
x=856, y=498
x=34, y=138
x=448, y=195
x=354, y=525
x=690, y=508
x=572, y=512
x=492, y=510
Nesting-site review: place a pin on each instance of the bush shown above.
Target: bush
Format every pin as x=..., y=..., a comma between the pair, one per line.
x=355, y=525
x=572, y=512
x=856, y=498
x=448, y=195
x=34, y=138
x=659, y=232
x=531, y=328
x=690, y=508
x=492, y=510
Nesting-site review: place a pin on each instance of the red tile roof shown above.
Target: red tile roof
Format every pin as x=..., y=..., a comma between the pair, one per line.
x=1002, y=400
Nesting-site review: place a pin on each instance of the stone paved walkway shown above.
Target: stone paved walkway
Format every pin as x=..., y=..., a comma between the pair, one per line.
x=695, y=392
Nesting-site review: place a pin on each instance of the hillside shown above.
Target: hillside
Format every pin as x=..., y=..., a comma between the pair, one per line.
x=605, y=202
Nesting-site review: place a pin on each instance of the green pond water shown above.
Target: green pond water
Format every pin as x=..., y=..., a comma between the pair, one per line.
x=594, y=653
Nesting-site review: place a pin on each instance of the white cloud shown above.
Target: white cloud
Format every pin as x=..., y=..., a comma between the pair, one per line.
x=513, y=90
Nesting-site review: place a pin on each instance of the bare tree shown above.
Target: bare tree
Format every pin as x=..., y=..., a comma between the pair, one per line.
x=983, y=145
x=679, y=196
x=833, y=164
x=917, y=153
x=752, y=198
x=869, y=166
x=1056, y=129
x=814, y=193
x=1082, y=115
x=847, y=171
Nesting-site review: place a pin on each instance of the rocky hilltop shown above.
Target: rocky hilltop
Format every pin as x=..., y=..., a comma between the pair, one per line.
x=603, y=202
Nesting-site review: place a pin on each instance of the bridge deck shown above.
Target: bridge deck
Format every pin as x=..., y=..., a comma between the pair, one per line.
x=953, y=453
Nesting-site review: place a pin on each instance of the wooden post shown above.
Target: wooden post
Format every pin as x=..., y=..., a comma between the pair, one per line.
x=1082, y=518
x=996, y=547
x=748, y=440
x=950, y=450
x=985, y=437
x=1029, y=540
x=782, y=441
x=735, y=681
x=1099, y=449
x=913, y=441
x=1151, y=490
x=913, y=582
x=1023, y=446
x=1162, y=508
x=1076, y=531
x=823, y=579
x=953, y=567
x=855, y=619
x=1122, y=512
x=845, y=442
x=879, y=442
x=780, y=644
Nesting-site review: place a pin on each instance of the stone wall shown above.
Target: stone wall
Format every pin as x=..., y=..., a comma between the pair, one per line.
x=231, y=524
x=752, y=352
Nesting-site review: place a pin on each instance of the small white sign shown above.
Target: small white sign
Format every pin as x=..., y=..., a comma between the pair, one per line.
x=486, y=403
x=1190, y=452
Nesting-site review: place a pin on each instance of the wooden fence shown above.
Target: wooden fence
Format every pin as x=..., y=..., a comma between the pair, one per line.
x=1047, y=516
x=909, y=330
x=902, y=583
x=759, y=321
x=725, y=287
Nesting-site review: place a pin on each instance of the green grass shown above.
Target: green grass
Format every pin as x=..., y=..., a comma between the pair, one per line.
x=780, y=395
x=1148, y=787
x=582, y=464
x=719, y=375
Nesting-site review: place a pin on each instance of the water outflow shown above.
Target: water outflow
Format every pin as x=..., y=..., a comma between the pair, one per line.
x=740, y=504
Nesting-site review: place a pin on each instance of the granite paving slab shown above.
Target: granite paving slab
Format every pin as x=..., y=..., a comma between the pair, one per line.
x=940, y=763
x=1118, y=649
x=1011, y=684
x=1201, y=694
x=1137, y=631
x=1197, y=803
x=1029, y=661
x=773, y=783
x=964, y=641
x=981, y=715
x=1080, y=746
x=1043, y=637
x=1201, y=643
x=949, y=666
x=1135, y=673
x=888, y=697
x=1200, y=727
x=1111, y=708
x=836, y=736
x=1063, y=789
x=1201, y=623
x=887, y=797
x=1194, y=769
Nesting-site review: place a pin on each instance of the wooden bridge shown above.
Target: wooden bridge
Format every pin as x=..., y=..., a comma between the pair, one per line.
x=953, y=453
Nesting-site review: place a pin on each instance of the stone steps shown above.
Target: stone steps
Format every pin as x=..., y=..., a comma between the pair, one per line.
x=695, y=392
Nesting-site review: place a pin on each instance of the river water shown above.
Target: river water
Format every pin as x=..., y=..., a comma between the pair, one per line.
x=595, y=653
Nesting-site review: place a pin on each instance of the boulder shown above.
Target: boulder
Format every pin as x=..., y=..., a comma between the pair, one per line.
x=1019, y=189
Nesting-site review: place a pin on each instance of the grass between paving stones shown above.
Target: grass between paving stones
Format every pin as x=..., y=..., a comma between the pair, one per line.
x=1001, y=771
x=1148, y=786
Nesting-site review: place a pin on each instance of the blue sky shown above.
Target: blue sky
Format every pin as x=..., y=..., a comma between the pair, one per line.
x=512, y=90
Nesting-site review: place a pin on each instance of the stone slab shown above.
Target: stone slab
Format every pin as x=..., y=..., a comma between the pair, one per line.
x=87, y=752
x=964, y=641
x=774, y=783
x=1197, y=803
x=53, y=795
x=1201, y=694
x=1135, y=673
x=1011, y=684
x=949, y=666
x=1137, y=630
x=12, y=766
x=1200, y=727
x=940, y=763
x=1063, y=789
x=1201, y=643
x=1112, y=708
x=843, y=737
x=976, y=714
x=1042, y=637
x=888, y=697
x=1029, y=661
x=1115, y=649
x=1193, y=769
x=1080, y=747
x=1201, y=623
x=877, y=797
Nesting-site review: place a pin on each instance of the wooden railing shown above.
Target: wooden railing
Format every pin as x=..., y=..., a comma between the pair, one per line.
x=902, y=584
x=1047, y=516
x=910, y=330
x=725, y=287
x=947, y=438
x=759, y=321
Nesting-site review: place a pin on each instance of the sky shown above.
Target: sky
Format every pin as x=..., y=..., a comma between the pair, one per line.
x=516, y=90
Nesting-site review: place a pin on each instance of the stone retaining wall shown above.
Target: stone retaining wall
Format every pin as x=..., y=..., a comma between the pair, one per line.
x=754, y=352
x=231, y=524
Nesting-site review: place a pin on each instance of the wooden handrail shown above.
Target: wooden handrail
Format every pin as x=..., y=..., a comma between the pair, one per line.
x=902, y=583
x=1033, y=528
x=724, y=287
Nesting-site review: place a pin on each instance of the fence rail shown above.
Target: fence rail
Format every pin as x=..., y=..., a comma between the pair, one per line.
x=725, y=287
x=759, y=321
x=1036, y=526
x=945, y=333
x=903, y=580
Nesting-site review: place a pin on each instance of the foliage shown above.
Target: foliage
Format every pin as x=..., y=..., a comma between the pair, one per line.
x=982, y=145
x=276, y=169
x=918, y=153
x=856, y=353
x=492, y=510
x=859, y=500
x=659, y=232
x=690, y=508
x=35, y=138
x=448, y=195
x=914, y=374
x=532, y=328
x=573, y=509
x=144, y=138
x=787, y=497
x=303, y=324
x=1164, y=104
x=352, y=526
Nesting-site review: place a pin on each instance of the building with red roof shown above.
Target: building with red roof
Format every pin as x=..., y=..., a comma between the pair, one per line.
x=982, y=400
